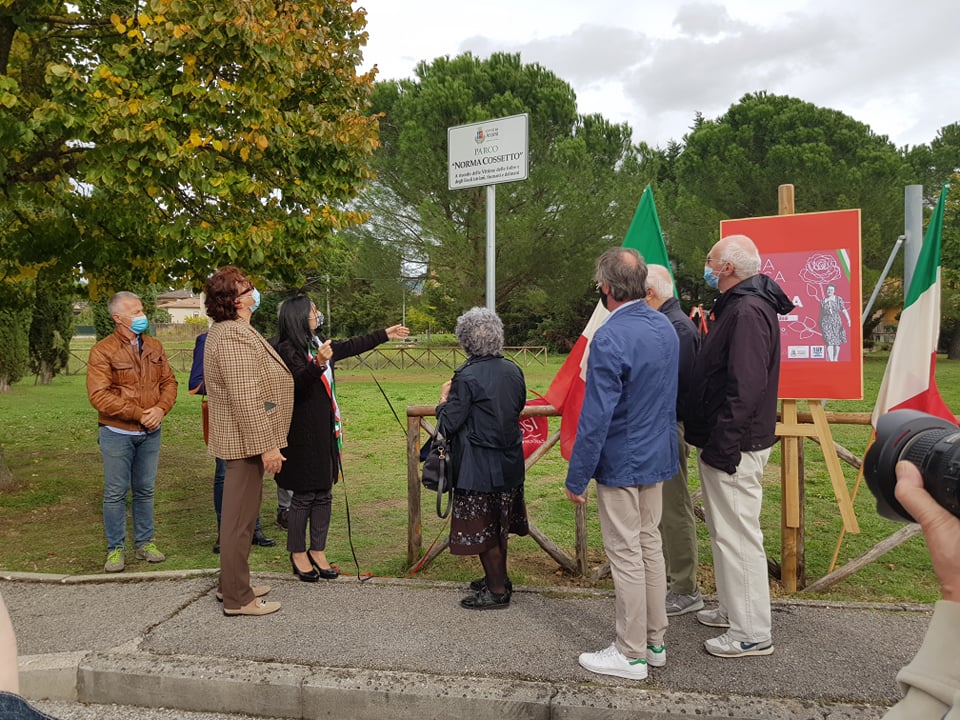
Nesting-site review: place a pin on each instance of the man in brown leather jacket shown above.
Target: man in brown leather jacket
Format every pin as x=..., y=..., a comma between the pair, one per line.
x=130, y=383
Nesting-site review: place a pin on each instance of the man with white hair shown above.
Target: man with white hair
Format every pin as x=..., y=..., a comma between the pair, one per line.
x=678, y=526
x=730, y=417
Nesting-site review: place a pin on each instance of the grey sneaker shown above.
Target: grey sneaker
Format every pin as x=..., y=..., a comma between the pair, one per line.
x=150, y=553
x=681, y=604
x=115, y=561
x=726, y=647
x=713, y=618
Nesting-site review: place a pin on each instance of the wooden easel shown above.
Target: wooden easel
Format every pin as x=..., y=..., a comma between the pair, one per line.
x=791, y=433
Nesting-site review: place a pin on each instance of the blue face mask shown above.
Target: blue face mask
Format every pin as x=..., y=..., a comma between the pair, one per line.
x=710, y=277
x=256, y=300
x=139, y=324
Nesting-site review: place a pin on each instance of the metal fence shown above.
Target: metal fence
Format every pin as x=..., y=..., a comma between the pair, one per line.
x=402, y=357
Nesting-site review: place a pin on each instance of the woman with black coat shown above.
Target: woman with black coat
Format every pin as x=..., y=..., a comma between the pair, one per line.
x=313, y=444
x=480, y=410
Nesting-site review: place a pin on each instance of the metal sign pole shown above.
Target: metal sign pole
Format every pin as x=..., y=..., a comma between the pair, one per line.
x=492, y=247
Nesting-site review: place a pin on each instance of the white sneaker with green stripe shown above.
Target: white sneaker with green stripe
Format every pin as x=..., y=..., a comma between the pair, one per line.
x=611, y=661
x=656, y=655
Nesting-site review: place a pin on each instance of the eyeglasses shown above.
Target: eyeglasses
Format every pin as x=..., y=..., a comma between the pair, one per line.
x=245, y=292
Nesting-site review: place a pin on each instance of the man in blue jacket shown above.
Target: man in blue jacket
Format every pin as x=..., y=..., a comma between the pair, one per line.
x=627, y=441
x=731, y=418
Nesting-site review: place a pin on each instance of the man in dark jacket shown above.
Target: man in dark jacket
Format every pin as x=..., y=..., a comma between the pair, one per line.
x=678, y=525
x=731, y=415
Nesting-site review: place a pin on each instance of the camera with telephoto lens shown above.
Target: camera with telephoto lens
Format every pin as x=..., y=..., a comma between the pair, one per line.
x=929, y=442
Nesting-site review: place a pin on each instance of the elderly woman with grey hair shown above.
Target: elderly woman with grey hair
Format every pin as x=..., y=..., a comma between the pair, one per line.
x=480, y=410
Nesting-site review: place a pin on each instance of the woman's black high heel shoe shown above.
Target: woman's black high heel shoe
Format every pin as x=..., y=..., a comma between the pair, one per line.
x=311, y=576
x=330, y=573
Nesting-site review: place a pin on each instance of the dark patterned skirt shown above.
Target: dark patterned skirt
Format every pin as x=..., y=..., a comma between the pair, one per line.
x=481, y=521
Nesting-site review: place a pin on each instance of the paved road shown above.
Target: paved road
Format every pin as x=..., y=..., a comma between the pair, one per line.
x=398, y=648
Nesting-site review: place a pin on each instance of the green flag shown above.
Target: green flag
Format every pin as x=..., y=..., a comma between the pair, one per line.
x=644, y=234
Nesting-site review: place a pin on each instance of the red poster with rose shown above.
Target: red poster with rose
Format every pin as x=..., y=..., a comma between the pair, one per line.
x=815, y=258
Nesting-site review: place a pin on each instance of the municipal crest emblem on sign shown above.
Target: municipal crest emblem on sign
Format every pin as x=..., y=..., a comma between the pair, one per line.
x=480, y=136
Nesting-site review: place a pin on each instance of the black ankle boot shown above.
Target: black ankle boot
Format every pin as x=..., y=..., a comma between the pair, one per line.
x=486, y=600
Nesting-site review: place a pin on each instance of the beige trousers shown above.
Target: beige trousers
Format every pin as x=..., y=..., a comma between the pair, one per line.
x=629, y=517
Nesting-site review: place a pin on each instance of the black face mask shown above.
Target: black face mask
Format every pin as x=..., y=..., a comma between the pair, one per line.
x=604, y=298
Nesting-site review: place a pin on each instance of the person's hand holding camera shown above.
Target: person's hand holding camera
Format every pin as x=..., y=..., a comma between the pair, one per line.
x=941, y=529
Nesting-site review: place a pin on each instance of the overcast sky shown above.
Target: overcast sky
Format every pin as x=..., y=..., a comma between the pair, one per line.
x=892, y=64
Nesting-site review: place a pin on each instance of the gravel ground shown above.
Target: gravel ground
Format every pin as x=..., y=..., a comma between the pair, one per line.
x=76, y=711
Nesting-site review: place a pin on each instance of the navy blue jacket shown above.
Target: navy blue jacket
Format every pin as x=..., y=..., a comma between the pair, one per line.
x=627, y=433
x=689, y=338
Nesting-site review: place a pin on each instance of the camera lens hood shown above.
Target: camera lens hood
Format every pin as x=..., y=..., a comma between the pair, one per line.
x=895, y=432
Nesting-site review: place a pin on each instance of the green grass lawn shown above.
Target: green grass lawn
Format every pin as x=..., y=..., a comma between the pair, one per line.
x=50, y=518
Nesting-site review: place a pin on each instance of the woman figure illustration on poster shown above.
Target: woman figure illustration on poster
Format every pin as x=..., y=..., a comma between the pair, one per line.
x=832, y=312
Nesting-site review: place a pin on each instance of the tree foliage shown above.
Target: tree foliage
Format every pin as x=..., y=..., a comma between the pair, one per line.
x=735, y=164
x=51, y=325
x=143, y=141
x=14, y=345
x=579, y=196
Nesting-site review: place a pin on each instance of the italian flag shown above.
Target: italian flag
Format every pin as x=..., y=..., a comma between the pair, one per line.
x=566, y=390
x=909, y=382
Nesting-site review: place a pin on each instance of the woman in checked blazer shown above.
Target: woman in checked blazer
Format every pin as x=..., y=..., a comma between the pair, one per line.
x=250, y=396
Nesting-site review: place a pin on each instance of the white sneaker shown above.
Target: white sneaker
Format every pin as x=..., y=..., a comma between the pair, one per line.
x=611, y=661
x=656, y=655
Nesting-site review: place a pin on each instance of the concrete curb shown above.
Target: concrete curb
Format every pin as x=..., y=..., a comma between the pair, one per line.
x=202, y=684
x=126, y=577
x=50, y=677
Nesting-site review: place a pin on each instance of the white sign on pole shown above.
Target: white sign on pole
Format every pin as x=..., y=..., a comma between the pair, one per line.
x=495, y=151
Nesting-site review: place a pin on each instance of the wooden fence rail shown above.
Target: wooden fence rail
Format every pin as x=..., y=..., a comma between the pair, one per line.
x=578, y=564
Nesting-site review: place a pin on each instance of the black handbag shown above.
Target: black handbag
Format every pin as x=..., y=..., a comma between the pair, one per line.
x=438, y=470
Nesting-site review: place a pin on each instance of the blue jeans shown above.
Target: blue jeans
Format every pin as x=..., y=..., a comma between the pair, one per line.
x=14, y=707
x=129, y=461
x=219, y=473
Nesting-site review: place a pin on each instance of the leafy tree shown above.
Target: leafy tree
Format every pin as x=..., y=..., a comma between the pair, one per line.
x=933, y=165
x=159, y=139
x=51, y=325
x=734, y=164
x=14, y=345
x=580, y=195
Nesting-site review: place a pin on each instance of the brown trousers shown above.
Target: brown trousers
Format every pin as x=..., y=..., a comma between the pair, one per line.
x=242, y=496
